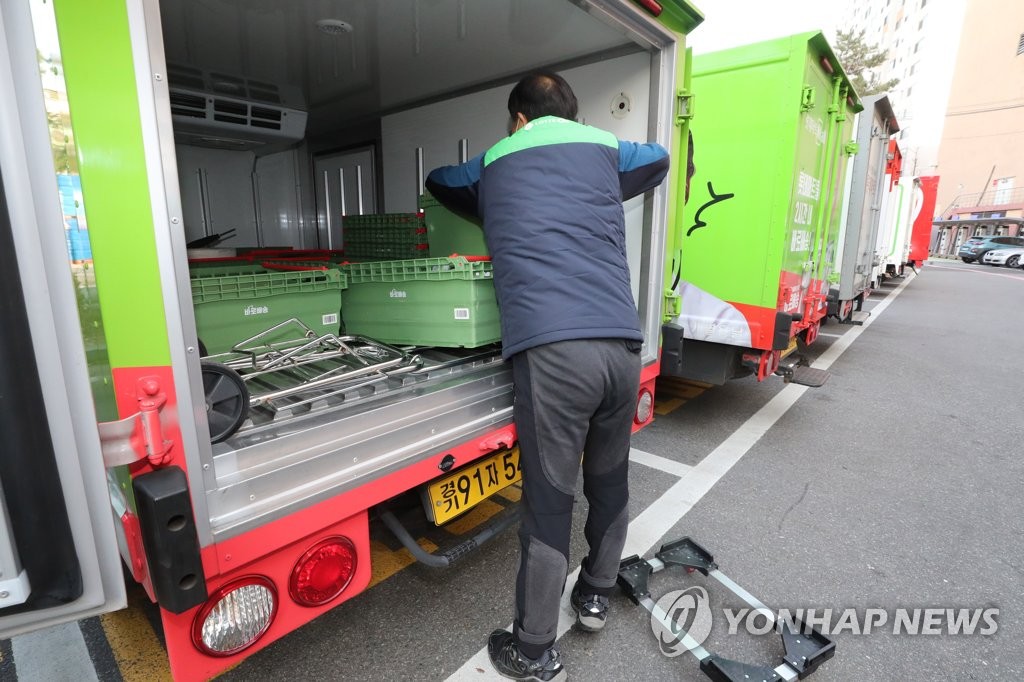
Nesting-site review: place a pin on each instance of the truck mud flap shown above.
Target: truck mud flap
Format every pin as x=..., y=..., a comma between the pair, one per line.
x=805, y=647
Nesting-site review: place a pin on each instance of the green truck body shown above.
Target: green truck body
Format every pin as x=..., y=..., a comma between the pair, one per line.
x=772, y=133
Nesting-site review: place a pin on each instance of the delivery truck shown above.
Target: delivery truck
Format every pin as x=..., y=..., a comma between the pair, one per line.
x=892, y=244
x=922, y=234
x=241, y=473
x=866, y=188
x=771, y=142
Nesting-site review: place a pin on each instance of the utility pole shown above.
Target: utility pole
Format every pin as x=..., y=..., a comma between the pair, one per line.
x=985, y=188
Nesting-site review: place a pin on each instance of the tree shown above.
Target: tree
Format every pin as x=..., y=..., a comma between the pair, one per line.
x=859, y=60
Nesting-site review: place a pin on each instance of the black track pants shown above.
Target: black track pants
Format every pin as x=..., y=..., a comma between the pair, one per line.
x=572, y=398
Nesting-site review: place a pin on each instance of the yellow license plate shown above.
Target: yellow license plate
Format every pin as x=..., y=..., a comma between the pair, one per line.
x=460, y=491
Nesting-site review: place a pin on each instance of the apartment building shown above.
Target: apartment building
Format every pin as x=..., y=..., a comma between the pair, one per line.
x=921, y=38
x=981, y=159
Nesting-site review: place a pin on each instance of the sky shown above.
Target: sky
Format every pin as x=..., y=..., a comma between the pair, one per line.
x=728, y=23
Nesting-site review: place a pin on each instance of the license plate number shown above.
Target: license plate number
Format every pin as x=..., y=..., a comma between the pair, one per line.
x=462, y=490
x=790, y=348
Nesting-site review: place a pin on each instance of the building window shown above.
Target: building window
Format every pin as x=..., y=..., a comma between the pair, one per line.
x=917, y=46
x=912, y=67
x=908, y=91
x=1020, y=45
x=924, y=2
x=920, y=25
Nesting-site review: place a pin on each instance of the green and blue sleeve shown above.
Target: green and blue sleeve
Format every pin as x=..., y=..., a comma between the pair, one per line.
x=458, y=186
x=641, y=167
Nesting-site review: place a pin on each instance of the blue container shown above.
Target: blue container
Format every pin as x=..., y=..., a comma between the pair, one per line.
x=78, y=245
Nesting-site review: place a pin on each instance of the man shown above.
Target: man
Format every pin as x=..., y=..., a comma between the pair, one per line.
x=550, y=196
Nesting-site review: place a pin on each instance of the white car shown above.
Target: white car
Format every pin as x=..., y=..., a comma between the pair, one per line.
x=1011, y=258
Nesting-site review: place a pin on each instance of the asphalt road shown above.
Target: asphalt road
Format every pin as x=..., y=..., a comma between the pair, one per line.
x=897, y=485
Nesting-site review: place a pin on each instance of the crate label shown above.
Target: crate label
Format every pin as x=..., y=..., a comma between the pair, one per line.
x=462, y=313
x=397, y=293
x=330, y=318
x=256, y=310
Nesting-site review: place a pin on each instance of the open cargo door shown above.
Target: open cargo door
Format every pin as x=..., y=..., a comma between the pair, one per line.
x=59, y=559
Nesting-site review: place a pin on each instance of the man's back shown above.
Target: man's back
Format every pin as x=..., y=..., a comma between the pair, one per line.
x=551, y=199
x=552, y=210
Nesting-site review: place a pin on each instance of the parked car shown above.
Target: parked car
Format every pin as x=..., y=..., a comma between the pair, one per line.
x=1011, y=258
x=975, y=248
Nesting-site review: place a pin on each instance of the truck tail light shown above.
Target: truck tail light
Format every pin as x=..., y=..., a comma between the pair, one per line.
x=644, y=407
x=323, y=572
x=235, y=616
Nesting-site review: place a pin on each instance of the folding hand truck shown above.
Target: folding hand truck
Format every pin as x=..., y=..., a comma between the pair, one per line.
x=805, y=647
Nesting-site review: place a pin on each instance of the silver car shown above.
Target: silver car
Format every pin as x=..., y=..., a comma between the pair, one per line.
x=1011, y=258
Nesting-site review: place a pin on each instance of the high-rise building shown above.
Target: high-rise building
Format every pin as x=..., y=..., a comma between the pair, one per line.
x=981, y=160
x=921, y=38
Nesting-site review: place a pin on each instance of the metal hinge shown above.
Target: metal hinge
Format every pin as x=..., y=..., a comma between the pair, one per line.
x=139, y=436
x=671, y=305
x=684, y=106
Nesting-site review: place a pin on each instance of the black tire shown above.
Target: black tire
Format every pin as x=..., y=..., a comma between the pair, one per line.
x=1013, y=261
x=967, y=260
x=227, y=400
x=202, y=348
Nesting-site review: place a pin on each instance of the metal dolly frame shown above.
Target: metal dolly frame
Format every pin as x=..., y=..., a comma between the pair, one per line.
x=805, y=647
x=350, y=362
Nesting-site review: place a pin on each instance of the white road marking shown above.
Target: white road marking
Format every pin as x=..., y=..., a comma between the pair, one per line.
x=660, y=463
x=651, y=525
x=978, y=272
x=56, y=653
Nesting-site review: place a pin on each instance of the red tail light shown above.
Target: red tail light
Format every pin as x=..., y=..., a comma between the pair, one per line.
x=323, y=572
x=651, y=6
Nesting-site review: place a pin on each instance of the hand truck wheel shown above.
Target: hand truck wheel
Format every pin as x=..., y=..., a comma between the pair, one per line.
x=227, y=400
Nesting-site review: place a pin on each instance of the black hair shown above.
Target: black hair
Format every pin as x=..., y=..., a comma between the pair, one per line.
x=542, y=93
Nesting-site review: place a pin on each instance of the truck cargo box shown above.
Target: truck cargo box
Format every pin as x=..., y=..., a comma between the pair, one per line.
x=772, y=132
x=865, y=189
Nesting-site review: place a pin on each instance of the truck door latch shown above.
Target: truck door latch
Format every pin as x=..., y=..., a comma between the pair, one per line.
x=139, y=436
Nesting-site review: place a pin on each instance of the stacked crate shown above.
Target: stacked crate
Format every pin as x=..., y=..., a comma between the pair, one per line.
x=449, y=233
x=446, y=302
x=384, y=236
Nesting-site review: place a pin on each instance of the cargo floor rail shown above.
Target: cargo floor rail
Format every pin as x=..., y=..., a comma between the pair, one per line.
x=805, y=647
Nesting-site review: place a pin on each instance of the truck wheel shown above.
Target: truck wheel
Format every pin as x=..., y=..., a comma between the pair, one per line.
x=1012, y=261
x=227, y=400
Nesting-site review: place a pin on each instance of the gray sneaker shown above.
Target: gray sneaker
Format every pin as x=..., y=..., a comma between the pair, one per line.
x=511, y=663
x=591, y=609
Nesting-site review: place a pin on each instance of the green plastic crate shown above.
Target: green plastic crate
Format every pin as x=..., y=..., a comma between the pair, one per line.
x=233, y=306
x=210, y=268
x=447, y=302
x=385, y=236
x=449, y=233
